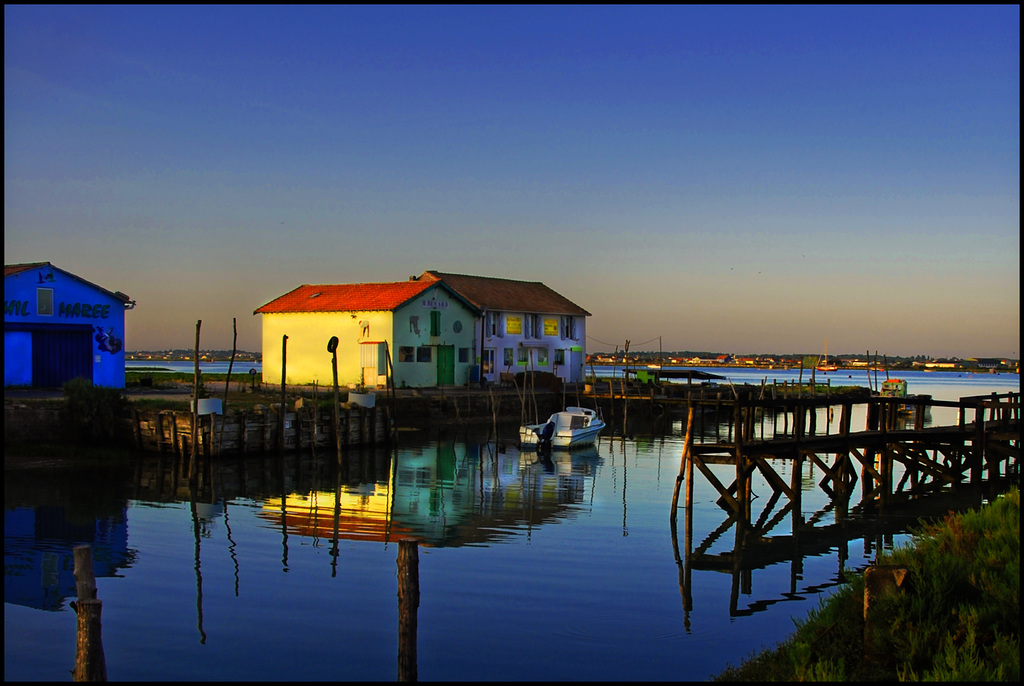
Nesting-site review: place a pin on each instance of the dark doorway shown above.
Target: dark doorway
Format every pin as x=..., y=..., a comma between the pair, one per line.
x=59, y=356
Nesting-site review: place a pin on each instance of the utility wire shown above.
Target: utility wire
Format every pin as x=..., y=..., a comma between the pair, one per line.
x=590, y=338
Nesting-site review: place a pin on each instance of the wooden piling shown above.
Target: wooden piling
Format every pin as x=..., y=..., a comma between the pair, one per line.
x=332, y=347
x=284, y=391
x=227, y=384
x=685, y=469
x=880, y=581
x=408, y=604
x=90, y=663
x=195, y=410
x=244, y=433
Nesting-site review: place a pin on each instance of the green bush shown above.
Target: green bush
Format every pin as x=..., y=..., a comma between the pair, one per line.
x=93, y=411
x=957, y=619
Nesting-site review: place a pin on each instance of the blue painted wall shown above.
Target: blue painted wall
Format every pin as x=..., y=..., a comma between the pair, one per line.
x=56, y=323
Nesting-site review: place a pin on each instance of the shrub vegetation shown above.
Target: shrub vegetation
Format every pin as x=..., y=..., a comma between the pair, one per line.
x=93, y=411
x=957, y=619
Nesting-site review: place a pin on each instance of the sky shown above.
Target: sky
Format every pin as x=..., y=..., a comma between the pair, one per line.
x=728, y=179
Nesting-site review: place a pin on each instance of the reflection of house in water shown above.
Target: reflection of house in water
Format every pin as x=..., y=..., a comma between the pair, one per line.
x=39, y=564
x=439, y=498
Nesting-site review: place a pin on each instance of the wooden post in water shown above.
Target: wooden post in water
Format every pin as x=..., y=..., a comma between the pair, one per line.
x=390, y=420
x=192, y=473
x=684, y=463
x=90, y=663
x=625, y=388
x=742, y=477
x=885, y=454
x=408, y=605
x=227, y=384
x=867, y=355
x=978, y=445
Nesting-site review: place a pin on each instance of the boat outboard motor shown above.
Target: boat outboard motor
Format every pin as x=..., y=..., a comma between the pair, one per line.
x=546, y=433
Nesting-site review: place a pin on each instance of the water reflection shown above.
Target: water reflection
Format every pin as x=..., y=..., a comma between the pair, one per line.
x=310, y=539
x=42, y=527
x=440, y=495
x=446, y=494
x=763, y=541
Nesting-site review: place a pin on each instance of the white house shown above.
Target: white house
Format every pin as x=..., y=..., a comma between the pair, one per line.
x=521, y=325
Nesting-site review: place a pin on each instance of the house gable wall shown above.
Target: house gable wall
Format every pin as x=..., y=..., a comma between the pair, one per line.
x=50, y=317
x=413, y=331
x=308, y=359
x=408, y=326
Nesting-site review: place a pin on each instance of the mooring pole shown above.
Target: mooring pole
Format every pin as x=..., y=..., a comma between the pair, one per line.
x=332, y=347
x=284, y=389
x=90, y=663
x=192, y=475
x=685, y=471
x=408, y=605
x=227, y=384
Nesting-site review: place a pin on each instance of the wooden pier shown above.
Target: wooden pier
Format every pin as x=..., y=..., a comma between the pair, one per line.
x=930, y=458
x=255, y=431
x=902, y=467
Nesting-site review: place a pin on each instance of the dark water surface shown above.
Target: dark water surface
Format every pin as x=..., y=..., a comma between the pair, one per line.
x=529, y=569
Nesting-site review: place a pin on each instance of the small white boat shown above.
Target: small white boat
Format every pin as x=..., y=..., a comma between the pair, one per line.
x=573, y=426
x=894, y=388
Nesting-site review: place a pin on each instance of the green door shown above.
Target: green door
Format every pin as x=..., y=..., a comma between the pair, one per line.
x=445, y=365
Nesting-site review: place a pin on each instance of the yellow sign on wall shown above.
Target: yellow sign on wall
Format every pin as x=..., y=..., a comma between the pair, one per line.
x=550, y=327
x=513, y=325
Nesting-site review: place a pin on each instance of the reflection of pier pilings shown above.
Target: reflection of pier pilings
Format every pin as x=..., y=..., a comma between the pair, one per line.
x=902, y=471
x=751, y=552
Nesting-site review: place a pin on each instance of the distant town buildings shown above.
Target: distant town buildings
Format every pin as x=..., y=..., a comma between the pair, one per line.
x=794, y=361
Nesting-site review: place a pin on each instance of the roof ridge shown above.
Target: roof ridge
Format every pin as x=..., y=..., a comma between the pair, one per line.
x=489, y=278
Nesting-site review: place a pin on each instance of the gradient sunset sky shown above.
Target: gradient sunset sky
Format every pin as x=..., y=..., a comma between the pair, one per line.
x=730, y=179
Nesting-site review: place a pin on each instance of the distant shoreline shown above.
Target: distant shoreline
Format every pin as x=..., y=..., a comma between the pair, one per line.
x=151, y=365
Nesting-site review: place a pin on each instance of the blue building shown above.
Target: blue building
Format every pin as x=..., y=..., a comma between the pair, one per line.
x=58, y=326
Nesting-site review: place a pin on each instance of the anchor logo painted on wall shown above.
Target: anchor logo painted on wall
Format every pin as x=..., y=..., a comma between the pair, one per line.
x=107, y=342
x=47, y=277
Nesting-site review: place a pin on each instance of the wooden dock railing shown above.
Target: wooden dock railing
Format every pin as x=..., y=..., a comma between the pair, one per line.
x=903, y=468
x=985, y=439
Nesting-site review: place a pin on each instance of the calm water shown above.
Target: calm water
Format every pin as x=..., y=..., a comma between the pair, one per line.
x=528, y=569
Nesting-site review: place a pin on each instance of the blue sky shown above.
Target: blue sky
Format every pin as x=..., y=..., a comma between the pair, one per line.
x=733, y=179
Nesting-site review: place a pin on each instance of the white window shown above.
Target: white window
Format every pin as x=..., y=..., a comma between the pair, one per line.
x=44, y=301
x=493, y=325
x=569, y=328
x=532, y=326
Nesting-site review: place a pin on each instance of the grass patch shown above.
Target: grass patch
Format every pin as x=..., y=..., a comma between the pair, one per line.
x=141, y=378
x=958, y=619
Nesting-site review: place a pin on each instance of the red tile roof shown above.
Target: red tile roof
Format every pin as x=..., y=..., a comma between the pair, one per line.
x=488, y=293
x=346, y=297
